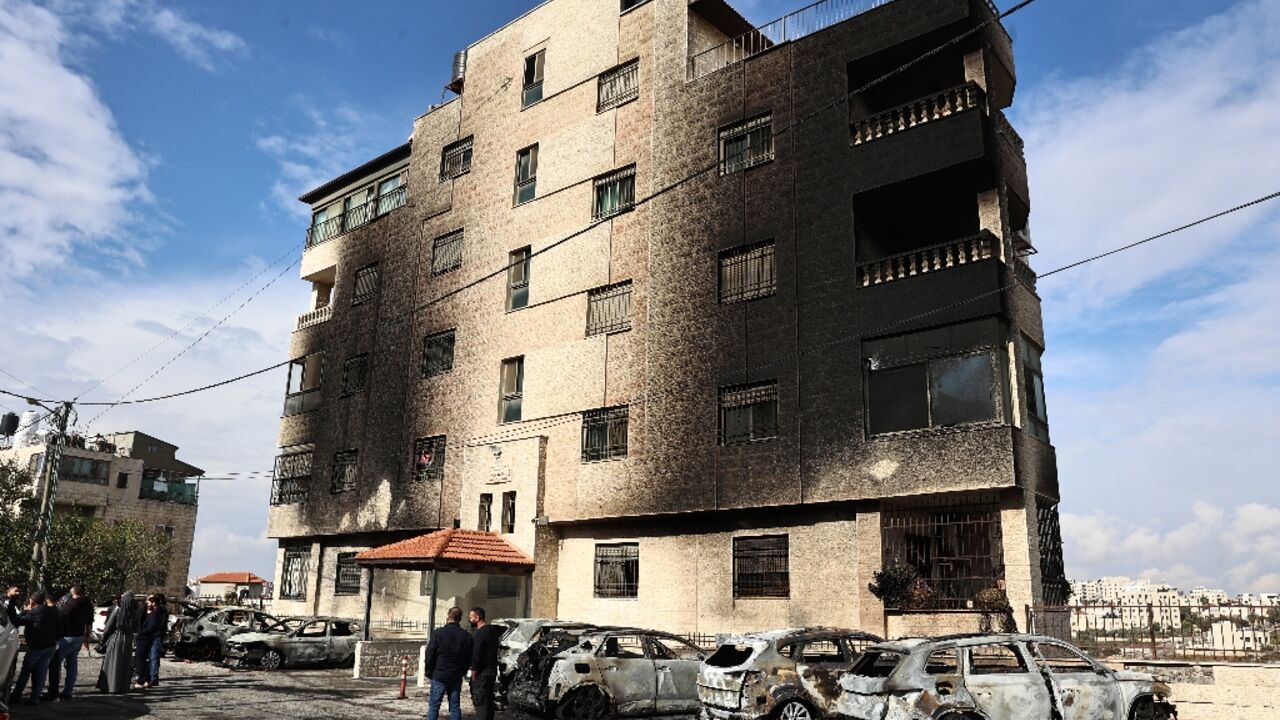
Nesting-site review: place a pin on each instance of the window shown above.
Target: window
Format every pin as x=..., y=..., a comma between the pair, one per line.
x=746, y=144
x=938, y=392
x=1062, y=660
x=344, y=471
x=485, y=515
x=618, y=86
x=304, y=374
x=165, y=530
x=291, y=478
x=1033, y=378
x=391, y=194
x=604, y=434
x=942, y=662
x=995, y=660
x=624, y=646
x=357, y=208
x=512, y=390
x=628, y=4
x=749, y=412
x=956, y=550
x=760, y=567
x=455, y=159
x=508, y=512
x=84, y=470
x=817, y=652
x=747, y=273
x=617, y=571
x=428, y=458
x=669, y=648
x=316, y=629
x=122, y=480
x=424, y=583
x=527, y=174
x=615, y=193
x=877, y=664
x=518, y=279
x=347, y=580
x=502, y=586
x=366, y=285
x=532, y=79
x=354, y=373
x=293, y=573
x=446, y=253
x=437, y=354
x=609, y=309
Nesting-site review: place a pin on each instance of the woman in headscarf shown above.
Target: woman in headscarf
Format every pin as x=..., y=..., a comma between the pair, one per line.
x=118, y=636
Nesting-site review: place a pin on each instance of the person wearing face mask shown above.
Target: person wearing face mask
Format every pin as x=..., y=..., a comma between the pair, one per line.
x=484, y=663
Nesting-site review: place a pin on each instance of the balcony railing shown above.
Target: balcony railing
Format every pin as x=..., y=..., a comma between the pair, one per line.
x=356, y=216
x=315, y=317
x=302, y=402
x=287, y=491
x=802, y=22
x=173, y=490
x=928, y=259
x=918, y=112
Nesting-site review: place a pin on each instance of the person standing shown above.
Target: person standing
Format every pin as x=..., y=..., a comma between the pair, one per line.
x=484, y=663
x=150, y=642
x=55, y=663
x=42, y=637
x=448, y=657
x=77, y=622
x=117, y=636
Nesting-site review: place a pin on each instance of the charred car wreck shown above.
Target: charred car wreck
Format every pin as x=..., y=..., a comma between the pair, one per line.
x=995, y=677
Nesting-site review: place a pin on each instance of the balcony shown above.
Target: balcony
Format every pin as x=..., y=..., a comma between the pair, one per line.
x=302, y=402
x=168, y=489
x=315, y=317
x=931, y=259
x=356, y=216
x=290, y=491
x=918, y=112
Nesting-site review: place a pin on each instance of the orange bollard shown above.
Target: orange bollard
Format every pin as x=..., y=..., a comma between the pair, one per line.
x=404, y=677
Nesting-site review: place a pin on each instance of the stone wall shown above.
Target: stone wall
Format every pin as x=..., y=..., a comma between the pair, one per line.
x=383, y=658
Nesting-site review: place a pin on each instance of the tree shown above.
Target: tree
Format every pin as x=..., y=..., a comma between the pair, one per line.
x=896, y=585
x=106, y=557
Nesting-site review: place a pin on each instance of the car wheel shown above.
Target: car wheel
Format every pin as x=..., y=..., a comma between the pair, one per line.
x=589, y=703
x=206, y=651
x=271, y=660
x=794, y=710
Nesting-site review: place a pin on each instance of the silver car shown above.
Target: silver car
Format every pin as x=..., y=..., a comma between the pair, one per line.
x=616, y=672
x=205, y=636
x=524, y=633
x=314, y=641
x=995, y=677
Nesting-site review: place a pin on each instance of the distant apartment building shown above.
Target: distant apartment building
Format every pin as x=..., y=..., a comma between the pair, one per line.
x=708, y=335
x=1123, y=602
x=126, y=476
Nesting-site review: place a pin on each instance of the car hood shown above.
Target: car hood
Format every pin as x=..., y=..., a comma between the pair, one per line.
x=252, y=637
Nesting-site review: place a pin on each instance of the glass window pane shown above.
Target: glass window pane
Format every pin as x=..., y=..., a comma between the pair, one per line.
x=962, y=390
x=897, y=400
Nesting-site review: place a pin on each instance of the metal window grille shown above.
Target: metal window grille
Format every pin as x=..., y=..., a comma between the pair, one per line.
x=749, y=412
x=609, y=309
x=614, y=193
x=485, y=515
x=1053, y=575
x=746, y=144
x=366, y=285
x=619, y=85
x=446, y=253
x=292, y=478
x=512, y=388
x=355, y=372
x=508, y=512
x=526, y=174
x=455, y=159
x=604, y=434
x=617, y=571
x=957, y=550
x=345, y=464
x=347, y=579
x=293, y=573
x=518, y=279
x=760, y=567
x=428, y=458
x=437, y=353
x=747, y=273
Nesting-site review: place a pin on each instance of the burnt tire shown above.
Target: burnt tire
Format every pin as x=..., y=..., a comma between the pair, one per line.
x=271, y=660
x=206, y=651
x=588, y=703
x=794, y=710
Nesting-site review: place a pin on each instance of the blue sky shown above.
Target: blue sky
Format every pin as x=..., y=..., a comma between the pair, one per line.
x=150, y=154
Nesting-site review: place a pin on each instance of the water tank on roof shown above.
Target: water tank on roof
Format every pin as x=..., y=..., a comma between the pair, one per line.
x=459, y=71
x=28, y=426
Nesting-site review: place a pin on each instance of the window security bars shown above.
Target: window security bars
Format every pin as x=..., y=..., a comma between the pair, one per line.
x=747, y=273
x=347, y=579
x=518, y=279
x=512, y=390
x=455, y=159
x=614, y=193
x=617, y=571
x=956, y=551
x=1053, y=574
x=291, y=479
x=428, y=459
x=749, y=412
x=366, y=285
x=609, y=309
x=618, y=86
x=527, y=174
x=760, y=567
x=355, y=372
x=293, y=573
x=746, y=144
x=508, y=512
x=437, y=354
x=344, y=471
x=533, y=68
x=446, y=253
x=604, y=434
x=485, y=515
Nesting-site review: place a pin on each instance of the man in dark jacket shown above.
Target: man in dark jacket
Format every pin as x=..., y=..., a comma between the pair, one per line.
x=43, y=625
x=448, y=658
x=77, y=619
x=484, y=663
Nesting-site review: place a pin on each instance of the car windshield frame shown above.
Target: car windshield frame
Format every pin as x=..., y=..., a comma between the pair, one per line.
x=870, y=659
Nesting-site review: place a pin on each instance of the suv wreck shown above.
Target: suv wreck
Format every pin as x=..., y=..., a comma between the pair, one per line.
x=995, y=677
x=202, y=633
x=313, y=641
x=523, y=634
x=789, y=674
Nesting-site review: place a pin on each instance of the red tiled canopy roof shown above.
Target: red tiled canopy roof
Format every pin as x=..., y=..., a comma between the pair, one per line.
x=237, y=578
x=450, y=549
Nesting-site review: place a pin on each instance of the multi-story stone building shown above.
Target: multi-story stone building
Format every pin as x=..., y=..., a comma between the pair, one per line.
x=679, y=309
x=127, y=476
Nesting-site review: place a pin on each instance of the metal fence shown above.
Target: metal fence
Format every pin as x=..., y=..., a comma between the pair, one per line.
x=1155, y=631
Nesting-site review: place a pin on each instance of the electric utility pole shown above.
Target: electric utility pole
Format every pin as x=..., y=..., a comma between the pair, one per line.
x=49, y=493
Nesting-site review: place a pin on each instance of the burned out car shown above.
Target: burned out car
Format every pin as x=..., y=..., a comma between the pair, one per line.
x=547, y=637
x=614, y=672
x=204, y=635
x=789, y=674
x=313, y=641
x=995, y=677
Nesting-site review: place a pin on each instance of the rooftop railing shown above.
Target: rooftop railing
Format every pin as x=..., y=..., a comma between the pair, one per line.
x=918, y=112
x=933, y=258
x=356, y=216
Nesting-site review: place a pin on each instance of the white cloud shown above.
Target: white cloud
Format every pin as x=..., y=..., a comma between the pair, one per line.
x=195, y=42
x=202, y=45
x=219, y=548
